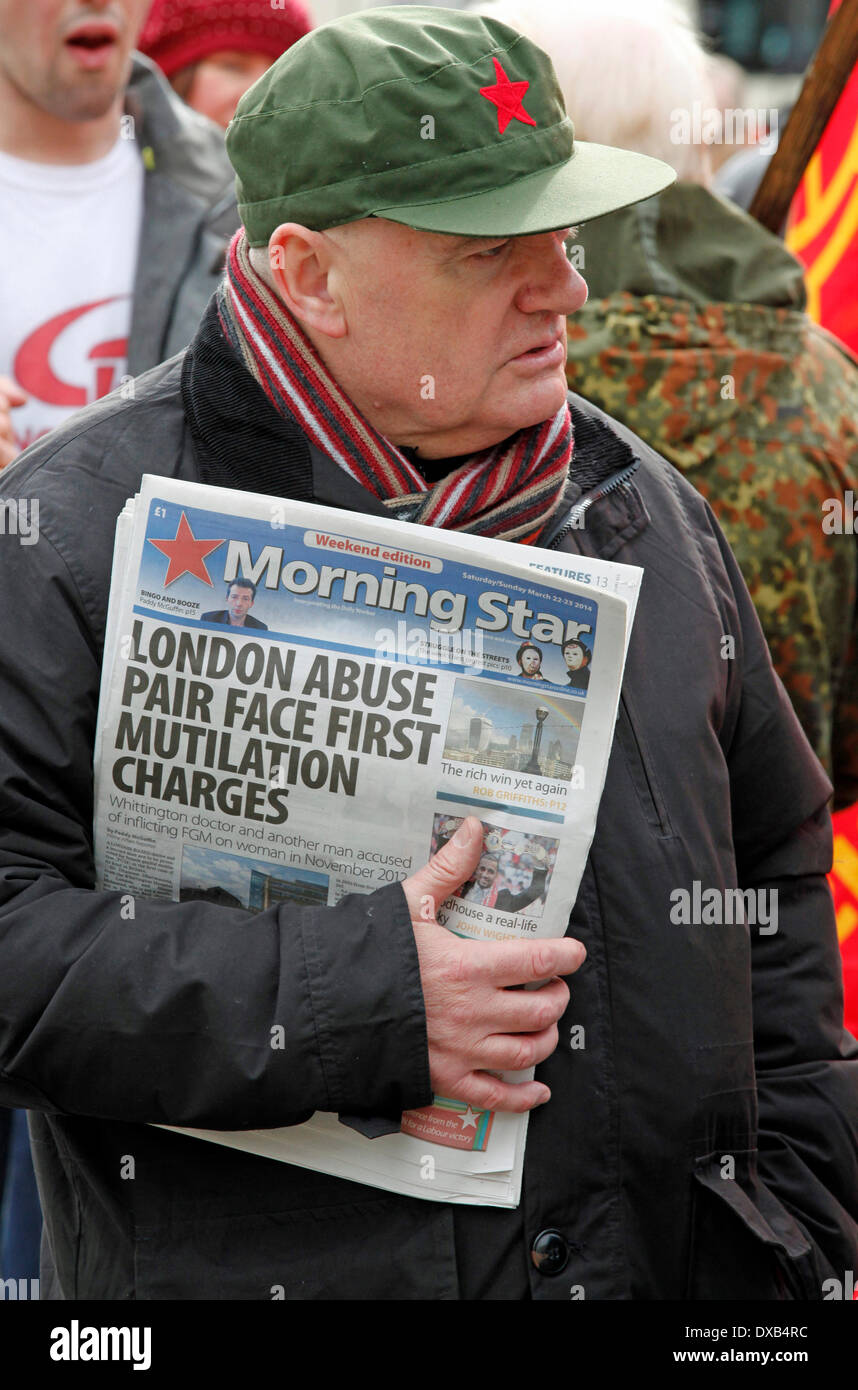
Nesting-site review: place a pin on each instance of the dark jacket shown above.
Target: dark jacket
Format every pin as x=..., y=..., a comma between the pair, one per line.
x=189, y=214
x=701, y=1144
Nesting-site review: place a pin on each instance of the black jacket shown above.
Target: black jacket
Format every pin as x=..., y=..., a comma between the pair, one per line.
x=703, y=1044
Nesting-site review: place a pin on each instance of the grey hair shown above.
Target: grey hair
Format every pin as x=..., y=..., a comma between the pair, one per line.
x=625, y=67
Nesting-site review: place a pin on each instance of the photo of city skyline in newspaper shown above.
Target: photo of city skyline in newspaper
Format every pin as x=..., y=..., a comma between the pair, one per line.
x=236, y=880
x=513, y=727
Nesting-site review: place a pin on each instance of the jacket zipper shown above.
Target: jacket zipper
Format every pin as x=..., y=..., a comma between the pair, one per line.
x=584, y=503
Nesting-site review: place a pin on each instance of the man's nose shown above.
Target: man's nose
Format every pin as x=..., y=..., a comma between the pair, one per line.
x=550, y=282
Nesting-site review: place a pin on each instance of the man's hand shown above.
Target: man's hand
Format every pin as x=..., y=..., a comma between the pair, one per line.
x=10, y=396
x=474, y=1020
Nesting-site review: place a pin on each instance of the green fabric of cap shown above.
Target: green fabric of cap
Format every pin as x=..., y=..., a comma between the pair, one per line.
x=444, y=121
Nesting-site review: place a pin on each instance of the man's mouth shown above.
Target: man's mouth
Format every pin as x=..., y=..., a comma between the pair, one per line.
x=546, y=343
x=549, y=352
x=92, y=43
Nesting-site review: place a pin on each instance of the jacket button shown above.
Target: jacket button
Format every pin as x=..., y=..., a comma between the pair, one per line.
x=550, y=1252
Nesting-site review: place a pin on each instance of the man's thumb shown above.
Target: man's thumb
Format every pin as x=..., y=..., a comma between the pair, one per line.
x=450, y=867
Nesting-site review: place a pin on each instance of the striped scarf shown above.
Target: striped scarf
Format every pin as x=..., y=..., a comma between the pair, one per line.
x=508, y=491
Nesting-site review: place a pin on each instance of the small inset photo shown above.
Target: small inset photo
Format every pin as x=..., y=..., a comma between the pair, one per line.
x=236, y=880
x=567, y=666
x=513, y=872
x=509, y=726
x=239, y=598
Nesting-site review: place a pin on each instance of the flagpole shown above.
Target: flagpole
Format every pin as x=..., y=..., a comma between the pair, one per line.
x=824, y=81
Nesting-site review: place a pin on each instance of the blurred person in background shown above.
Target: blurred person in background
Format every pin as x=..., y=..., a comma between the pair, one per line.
x=738, y=168
x=117, y=207
x=117, y=202
x=213, y=50
x=728, y=85
x=695, y=336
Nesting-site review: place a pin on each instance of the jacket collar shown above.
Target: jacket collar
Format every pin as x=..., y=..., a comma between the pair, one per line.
x=602, y=508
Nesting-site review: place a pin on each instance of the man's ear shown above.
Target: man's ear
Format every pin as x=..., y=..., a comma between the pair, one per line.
x=300, y=262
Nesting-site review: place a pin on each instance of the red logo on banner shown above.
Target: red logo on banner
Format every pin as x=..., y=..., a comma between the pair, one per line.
x=32, y=366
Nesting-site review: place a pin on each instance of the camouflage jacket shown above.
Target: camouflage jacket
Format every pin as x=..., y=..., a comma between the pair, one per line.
x=695, y=336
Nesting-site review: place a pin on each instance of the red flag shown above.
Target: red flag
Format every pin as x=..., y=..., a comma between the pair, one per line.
x=822, y=228
x=844, y=886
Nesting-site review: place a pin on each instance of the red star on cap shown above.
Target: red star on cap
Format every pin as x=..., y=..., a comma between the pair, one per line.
x=186, y=555
x=507, y=97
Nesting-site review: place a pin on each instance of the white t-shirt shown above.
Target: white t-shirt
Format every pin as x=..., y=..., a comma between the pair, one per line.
x=69, y=237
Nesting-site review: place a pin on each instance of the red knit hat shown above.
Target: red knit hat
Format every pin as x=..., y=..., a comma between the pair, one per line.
x=178, y=33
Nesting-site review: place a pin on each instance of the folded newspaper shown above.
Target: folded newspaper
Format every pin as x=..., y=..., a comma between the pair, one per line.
x=390, y=680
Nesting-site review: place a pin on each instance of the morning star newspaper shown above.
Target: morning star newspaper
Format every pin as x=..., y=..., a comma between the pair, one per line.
x=385, y=681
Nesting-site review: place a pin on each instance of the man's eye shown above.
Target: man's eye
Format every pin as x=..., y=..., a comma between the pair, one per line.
x=492, y=251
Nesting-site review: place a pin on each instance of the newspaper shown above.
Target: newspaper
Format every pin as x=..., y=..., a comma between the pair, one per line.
x=300, y=703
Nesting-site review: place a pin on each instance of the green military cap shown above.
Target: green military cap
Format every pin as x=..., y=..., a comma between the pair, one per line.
x=444, y=121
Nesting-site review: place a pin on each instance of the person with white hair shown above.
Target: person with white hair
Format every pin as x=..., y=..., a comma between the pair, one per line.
x=625, y=67
x=695, y=336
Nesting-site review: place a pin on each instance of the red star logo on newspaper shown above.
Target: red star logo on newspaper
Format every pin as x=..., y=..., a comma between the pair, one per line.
x=507, y=97
x=186, y=554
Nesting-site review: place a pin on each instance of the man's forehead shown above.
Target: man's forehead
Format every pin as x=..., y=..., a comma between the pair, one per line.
x=383, y=229
x=445, y=245
x=438, y=246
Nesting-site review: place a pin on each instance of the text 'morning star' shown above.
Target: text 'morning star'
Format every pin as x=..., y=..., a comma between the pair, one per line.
x=507, y=97
x=186, y=554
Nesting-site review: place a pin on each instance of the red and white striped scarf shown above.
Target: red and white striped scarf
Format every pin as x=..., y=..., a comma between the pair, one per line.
x=508, y=491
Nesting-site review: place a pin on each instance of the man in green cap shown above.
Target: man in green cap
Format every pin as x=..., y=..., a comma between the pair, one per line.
x=389, y=338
